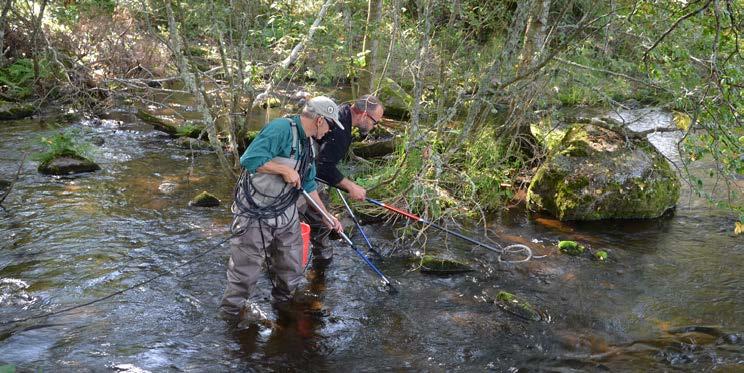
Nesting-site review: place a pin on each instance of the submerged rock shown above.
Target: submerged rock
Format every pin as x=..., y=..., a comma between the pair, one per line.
x=520, y=308
x=97, y=141
x=595, y=173
x=14, y=110
x=205, y=199
x=68, y=164
x=434, y=265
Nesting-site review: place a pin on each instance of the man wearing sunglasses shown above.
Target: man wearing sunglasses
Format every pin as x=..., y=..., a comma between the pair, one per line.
x=364, y=113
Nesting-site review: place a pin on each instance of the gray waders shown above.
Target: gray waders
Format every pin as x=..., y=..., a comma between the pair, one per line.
x=277, y=240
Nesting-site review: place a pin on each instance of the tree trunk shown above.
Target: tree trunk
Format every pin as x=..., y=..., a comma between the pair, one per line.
x=371, y=43
x=235, y=92
x=3, y=19
x=352, y=69
x=424, y=7
x=190, y=81
x=38, y=25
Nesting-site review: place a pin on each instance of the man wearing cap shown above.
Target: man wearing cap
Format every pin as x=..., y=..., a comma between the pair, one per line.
x=278, y=162
x=363, y=113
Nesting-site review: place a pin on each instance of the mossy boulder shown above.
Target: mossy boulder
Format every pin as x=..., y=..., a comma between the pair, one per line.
x=596, y=173
x=518, y=307
x=15, y=110
x=435, y=265
x=395, y=99
x=204, y=199
x=266, y=100
x=66, y=164
x=601, y=255
x=571, y=248
x=548, y=134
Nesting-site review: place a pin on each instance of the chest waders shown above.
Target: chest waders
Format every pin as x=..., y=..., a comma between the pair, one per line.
x=266, y=199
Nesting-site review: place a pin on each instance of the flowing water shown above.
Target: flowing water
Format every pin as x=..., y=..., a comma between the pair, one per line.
x=670, y=297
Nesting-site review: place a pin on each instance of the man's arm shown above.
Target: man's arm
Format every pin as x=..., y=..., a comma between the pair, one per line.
x=356, y=192
x=287, y=173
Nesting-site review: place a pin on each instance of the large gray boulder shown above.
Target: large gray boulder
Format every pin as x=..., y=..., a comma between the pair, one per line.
x=395, y=99
x=597, y=173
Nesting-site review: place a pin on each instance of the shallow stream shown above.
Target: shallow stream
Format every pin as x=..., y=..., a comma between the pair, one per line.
x=670, y=297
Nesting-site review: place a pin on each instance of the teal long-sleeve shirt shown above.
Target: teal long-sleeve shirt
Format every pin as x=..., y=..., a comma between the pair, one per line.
x=275, y=140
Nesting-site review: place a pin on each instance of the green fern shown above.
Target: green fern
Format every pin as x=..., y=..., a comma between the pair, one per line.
x=67, y=143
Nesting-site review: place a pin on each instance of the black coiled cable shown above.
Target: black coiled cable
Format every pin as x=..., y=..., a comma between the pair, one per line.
x=288, y=196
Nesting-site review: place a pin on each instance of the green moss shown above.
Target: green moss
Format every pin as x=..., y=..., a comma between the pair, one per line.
x=190, y=129
x=510, y=303
x=571, y=194
x=571, y=248
x=506, y=297
x=547, y=133
x=601, y=255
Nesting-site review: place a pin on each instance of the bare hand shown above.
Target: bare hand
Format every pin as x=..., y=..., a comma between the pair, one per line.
x=357, y=193
x=336, y=226
x=292, y=178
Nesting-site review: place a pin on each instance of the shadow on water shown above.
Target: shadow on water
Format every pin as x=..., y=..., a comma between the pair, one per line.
x=669, y=296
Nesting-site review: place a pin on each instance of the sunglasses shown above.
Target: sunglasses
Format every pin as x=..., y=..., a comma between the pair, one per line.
x=374, y=121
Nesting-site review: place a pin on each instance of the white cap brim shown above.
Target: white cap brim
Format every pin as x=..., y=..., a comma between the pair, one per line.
x=337, y=123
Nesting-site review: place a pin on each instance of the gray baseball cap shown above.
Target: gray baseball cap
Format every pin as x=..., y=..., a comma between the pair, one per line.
x=324, y=107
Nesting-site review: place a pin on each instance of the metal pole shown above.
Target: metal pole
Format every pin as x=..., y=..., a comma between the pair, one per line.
x=422, y=220
x=358, y=224
x=346, y=238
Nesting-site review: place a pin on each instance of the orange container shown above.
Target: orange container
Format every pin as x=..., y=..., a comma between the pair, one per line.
x=305, y=242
